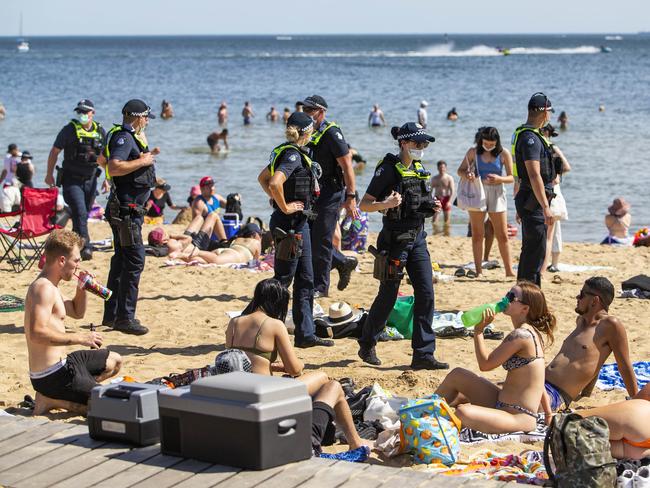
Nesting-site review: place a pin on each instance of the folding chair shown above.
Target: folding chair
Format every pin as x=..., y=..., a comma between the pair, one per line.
x=37, y=214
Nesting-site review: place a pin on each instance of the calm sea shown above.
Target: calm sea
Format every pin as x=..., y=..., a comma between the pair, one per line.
x=608, y=150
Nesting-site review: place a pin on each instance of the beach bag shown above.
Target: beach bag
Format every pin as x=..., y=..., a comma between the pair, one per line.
x=429, y=430
x=471, y=194
x=581, y=452
x=354, y=233
x=558, y=205
x=401, y=316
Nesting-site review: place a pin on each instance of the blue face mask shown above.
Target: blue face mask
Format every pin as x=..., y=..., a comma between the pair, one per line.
x=84, y=118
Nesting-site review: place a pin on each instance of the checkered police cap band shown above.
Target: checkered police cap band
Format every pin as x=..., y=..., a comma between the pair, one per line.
x=411, y=135
x=309, y=127
x=139, y=114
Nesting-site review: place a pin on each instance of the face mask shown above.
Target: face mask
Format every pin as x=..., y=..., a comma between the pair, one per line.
x=488, y=149
x=416, y=154
x=84, y=118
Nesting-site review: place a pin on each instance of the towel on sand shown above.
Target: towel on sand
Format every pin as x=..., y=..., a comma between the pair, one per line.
x=469, y=436
x=610, y=378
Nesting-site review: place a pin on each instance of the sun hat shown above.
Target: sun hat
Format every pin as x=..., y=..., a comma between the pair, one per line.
x=195, y=191
x=341, y=313
x=424, y=103
x=232, y=360
x=619, y=207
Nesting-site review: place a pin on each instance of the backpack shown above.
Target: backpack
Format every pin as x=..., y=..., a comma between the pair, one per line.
x=581, y=452
x=429, y=430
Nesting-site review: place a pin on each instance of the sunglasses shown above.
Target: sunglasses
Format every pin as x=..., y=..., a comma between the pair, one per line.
x=583, y=293
x=512, y=297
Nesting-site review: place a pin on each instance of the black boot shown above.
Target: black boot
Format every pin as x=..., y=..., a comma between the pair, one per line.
x=427, y=362
x=369, y=355
x=130, y=326
x=345, y=270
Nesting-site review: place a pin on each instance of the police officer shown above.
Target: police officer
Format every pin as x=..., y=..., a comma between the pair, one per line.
x=132, y=173
x=533, y=160
x=337, y=185
x=290, y=181
x=81, y=142
x=400, y=189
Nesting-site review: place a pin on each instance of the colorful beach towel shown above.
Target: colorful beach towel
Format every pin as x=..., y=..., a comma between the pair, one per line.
x=358, y=455
x=11, y=303
x=525, y=468
x=610, y=378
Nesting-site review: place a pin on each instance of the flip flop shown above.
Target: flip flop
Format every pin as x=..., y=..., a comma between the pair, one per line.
x=451, y=332
x=460, y=272
x=28, y=402
x=471, y=273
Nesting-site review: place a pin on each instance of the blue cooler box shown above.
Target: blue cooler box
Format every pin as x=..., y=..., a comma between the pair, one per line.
x=231, y=224
x=237, y=419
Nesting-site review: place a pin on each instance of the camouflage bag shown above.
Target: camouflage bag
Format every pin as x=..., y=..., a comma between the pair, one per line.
x=581, y=452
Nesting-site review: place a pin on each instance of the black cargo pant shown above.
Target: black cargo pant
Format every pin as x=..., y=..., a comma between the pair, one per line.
x=533, y=242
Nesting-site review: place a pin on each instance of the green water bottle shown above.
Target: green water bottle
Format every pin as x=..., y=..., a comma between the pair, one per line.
x=475, y=315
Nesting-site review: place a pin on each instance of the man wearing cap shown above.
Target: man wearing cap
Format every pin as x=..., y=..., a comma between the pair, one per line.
x=423, y=117
x=534, y=167
x=81, y=141
x=25, y=170
x=337, y=186
x=401, y=190
x=131, y=168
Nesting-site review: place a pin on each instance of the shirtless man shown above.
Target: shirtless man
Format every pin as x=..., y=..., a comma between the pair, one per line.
x=445, y=189
x=222, y=114
x=62, y=381
x=247, y=113
x=574, y=371
x=273, y=115
x=209, y=202
x=214, y=138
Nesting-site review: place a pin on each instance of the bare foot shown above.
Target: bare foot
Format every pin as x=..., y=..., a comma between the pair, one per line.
x=45, y=404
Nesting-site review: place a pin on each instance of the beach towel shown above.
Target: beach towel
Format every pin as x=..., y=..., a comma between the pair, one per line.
x=358, y=455
x=11, y=303
x=254, y=266
x=524, y=468
x=469, y=436
x=609, y=377
x=635, y=293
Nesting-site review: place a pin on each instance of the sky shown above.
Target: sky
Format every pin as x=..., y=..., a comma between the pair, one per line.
x=221, y=17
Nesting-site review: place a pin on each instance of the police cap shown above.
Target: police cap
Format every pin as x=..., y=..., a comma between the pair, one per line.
x=540, y=102
x=85, y=106
x=137, y=108
x=315, y=101
x=411, y=131
x=301, y=120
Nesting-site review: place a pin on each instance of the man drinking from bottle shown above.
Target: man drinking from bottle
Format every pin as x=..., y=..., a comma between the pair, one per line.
x=60, y=380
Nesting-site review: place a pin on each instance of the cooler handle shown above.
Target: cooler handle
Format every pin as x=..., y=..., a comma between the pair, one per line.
x=287, y=427
x=118, y=392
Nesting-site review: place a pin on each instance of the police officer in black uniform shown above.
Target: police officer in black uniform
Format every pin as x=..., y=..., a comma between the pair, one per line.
x=290, y=181
x=337, y=186
x=401, y=190
x=81, y=142
x=132, y=173
x=536, y=172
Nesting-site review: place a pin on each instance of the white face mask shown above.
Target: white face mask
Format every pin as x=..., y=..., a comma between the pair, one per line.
x=84, y=118
x=488, y=149
x=416, y=154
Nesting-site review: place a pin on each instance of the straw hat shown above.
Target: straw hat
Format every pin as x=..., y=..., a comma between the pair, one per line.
x=341, y=313
x=619, y=207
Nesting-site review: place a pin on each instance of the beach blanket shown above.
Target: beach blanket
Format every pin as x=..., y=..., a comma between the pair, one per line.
x=610, y=378
x=11, y=303
x=358, y=455
x=469, y=436
x=254, y=266
x=525, y=468
x=447, y=319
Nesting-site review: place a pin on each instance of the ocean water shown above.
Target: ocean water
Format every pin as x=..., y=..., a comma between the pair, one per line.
x=608, y=150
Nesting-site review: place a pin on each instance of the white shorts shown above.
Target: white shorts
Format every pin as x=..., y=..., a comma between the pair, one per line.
x=495, y=198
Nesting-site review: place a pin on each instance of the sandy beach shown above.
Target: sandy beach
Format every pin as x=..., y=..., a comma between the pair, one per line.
x=185, y=309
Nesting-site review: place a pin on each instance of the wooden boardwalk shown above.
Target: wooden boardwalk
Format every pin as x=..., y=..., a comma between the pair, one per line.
x=40, y=453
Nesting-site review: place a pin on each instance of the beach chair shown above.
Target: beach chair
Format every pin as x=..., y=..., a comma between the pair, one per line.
x=37, y=214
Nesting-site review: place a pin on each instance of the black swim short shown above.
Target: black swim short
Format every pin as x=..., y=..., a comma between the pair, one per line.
x=323, y=431
x=201, y=240
x=76, y=378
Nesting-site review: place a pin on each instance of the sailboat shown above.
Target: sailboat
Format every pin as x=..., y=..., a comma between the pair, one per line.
x=23, y=45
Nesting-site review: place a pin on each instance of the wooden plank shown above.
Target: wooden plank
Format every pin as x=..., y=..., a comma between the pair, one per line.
x=13, y=428
x=371, y=477
x=172, y=476
x=141, y=471
x=248, y=479
x=36, y=449
x=213, y=475
x=297, y=473
x=32, y=435
x=111, y=467
x=334, y=475
x=68, y=469
x=76, y=447
x=410, y=477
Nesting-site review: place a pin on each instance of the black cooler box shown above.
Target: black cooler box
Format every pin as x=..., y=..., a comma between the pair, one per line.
x=237, y=419
x=125, y=412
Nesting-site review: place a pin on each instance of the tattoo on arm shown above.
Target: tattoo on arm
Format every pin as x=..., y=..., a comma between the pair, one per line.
x=516, y=334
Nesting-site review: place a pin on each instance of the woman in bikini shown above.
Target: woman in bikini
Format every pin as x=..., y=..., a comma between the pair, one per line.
x=260, y=332
x=484, y=406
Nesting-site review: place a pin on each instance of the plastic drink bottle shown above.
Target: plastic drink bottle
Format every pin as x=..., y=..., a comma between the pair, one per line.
x=88, y=283
x=474, y=316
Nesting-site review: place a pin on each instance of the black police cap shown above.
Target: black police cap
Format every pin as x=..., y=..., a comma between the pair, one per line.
x=137, y=108
x=301, y=120
x=315, y=101
x=85, y=106
x=412, y=131
x=540, y=102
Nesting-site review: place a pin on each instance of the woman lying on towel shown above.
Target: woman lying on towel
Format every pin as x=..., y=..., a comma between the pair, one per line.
x=484, y=406
x=260, y=332
x=629, y=429
x=247, y=246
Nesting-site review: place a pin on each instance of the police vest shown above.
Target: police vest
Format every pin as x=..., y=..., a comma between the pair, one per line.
x=332, y=170
x=301, y=184
x=415, y=188
x=82, y=161
x=140, y=178
x=547, y=169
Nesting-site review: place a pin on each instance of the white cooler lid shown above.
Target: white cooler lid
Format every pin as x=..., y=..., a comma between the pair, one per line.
x=248, y=387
